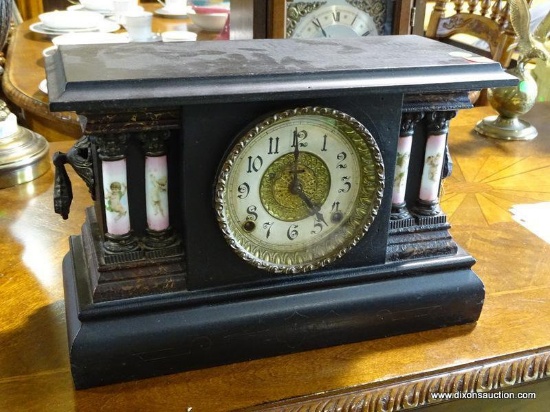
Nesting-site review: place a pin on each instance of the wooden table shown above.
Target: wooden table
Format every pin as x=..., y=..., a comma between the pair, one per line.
x=25, y=70
x=509, y=345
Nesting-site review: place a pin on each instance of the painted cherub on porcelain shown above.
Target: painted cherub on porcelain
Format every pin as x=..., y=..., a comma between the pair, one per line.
x=160, y=185
x=115, y=193
x=433, y=162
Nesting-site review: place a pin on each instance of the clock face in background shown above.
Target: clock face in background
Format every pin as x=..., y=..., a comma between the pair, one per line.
x=335, y=18
x=336, y=22
x=299, y=189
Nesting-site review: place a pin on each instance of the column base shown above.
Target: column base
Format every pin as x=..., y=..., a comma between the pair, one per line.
x=128, y=274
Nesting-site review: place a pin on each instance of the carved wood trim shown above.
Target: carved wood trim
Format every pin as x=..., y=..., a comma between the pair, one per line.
x=22, y=100
x=25, y=101
x=416, y=391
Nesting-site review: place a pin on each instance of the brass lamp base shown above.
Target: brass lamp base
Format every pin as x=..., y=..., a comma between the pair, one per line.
x=23, y=157
x=506, y=128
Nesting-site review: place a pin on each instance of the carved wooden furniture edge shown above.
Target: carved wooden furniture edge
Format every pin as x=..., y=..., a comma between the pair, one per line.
x=24, y=101
x=416, y=391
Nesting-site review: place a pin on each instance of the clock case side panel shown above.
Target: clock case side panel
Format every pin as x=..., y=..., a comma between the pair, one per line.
x=210, y=260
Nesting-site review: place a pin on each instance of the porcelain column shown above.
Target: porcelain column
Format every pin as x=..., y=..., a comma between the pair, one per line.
x=435, y=160
x=159, y=236
x=399, y=210
x=119, y=237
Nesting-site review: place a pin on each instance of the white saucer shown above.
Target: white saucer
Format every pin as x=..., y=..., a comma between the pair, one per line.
x=43, y=86
x=90, y=38
x=178, y=35
x=104, y=27
x=154, y=38
x=174, y=15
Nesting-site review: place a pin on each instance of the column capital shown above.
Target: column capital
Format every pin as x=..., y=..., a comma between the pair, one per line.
x=408, y=123
x=154, y=142
x=111, y=146
x=438, y=122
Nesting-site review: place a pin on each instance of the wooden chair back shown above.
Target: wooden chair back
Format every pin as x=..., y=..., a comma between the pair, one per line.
x=487, y=20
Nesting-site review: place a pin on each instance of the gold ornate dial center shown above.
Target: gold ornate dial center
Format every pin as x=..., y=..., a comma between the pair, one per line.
x=292, y=192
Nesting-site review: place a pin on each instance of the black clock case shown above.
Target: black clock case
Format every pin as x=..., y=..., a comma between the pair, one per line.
x=230, y=311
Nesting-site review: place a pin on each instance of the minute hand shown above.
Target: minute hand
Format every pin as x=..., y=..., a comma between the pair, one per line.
x=313, y=208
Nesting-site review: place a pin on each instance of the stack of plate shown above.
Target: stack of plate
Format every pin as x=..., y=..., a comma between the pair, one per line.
x=105, y=7
x=59, y=22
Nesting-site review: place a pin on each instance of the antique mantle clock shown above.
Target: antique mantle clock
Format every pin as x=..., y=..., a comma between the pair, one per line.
x=256, y=198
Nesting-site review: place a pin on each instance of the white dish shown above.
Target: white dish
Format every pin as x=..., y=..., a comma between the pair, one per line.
x=43, y=86
x=178, y=35
x=70, y=20
x=90, y=38
x=175, y=15
x=208, y=21
x=49, y=51
x=154, y=38
x=105, y=26
x=97, y=5
x=79, y=7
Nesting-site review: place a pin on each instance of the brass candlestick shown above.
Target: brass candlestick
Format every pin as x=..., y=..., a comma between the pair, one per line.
x=23, y=153
x=512, y=102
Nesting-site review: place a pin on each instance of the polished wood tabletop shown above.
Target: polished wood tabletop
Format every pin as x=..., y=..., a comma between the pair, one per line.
x=509, y=345
x=25, y=70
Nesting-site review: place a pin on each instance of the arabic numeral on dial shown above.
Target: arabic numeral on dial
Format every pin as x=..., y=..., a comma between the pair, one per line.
x=341, y=157
x=347, y=185
x=252, y=215
x=244, y=190
x=299, y=138
x=336, y=216
x=324, y=148
x=254, y=164
x=292, y=232
x=268, y=226
x=317, y=226
x=273, y=145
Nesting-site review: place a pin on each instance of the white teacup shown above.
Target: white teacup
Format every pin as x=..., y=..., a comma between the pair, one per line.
x=174, y=6
x=139, y=25
x=122, y=7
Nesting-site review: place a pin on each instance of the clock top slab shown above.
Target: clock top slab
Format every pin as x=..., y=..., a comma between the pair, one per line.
x=95, y=77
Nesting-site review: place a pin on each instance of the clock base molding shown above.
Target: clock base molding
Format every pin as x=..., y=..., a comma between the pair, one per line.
x=418, y=237
x=129, y=339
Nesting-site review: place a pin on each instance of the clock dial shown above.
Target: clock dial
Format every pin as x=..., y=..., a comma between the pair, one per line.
x=335, y=21
x=299, y=189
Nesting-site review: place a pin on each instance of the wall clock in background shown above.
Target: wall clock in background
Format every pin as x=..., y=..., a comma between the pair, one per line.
x=324, y=18
x=337, y=18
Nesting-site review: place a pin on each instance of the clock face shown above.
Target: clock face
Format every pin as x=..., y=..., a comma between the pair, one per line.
x=299, y=189
x=337, y=21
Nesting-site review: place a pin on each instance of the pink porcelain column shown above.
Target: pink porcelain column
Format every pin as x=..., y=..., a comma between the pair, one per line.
x=156, y=192
x=119, y=237
x=435, y=159
x=159, y=238
x=399, y=209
